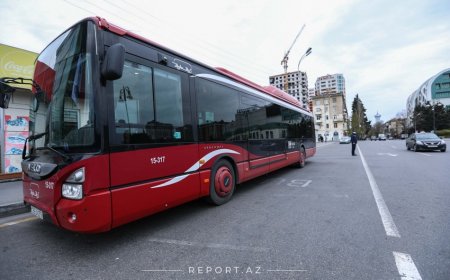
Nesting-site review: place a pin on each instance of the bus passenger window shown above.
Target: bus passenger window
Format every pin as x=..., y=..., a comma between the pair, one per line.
x=133, y=104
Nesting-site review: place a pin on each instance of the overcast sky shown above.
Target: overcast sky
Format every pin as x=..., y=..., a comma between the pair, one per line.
x=385, y=49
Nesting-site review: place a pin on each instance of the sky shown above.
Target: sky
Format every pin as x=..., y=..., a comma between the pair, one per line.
x=385, y=49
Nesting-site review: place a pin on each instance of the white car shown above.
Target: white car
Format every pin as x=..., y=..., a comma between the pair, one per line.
x=345, y=140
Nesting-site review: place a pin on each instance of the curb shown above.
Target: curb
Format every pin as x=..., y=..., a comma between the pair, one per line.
x=14, y=209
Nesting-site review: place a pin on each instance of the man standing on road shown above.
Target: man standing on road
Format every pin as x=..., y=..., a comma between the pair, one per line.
x=354, y=140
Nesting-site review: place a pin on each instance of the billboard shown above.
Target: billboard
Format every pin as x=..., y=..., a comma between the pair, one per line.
x=16, y=63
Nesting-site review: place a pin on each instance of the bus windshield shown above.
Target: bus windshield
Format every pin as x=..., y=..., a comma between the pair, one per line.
x=63, y=113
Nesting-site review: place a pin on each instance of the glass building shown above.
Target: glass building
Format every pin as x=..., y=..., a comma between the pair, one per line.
x=434, y=90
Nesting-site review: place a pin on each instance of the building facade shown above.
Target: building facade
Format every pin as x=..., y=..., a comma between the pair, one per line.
x=294, y=83
x=329, y=107
x=15, y=63
x=434, y=90
x=330, y=84
x=395, y=127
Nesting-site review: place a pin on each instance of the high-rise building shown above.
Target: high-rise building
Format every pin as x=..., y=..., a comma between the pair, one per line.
x=330, y=84
x=294, y=83
x=329, y=107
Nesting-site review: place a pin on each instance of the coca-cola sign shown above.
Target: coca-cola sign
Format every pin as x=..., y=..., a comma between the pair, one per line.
x=24, y=70
x=16, y=63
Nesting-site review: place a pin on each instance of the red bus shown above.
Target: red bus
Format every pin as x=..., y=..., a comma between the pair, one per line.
x=122, y=127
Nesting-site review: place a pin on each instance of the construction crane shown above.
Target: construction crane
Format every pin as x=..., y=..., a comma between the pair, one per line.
x=284, y=62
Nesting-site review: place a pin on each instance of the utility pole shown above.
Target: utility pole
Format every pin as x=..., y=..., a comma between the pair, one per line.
x=285, y=59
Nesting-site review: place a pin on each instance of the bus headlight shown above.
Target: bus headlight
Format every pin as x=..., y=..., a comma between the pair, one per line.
x=72, y=191
x=73, y=187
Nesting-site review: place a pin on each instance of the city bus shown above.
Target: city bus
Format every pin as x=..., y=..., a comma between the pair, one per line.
x=122, y=127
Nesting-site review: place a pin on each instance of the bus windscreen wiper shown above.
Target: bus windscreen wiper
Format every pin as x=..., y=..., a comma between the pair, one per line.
x=66, y=157
x=38, y=136
x=30, y=138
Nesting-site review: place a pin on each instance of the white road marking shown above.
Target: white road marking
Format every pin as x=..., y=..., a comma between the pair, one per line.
x=406, y=267
x=299, y=183
x=306, y=184
x=425, y=154
x=208, y=245
x=386, y=218
x=388, y=154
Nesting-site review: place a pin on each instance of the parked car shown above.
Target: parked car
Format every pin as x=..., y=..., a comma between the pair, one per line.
x=345, y=140
x=373, y=138
x=381, y=137
x=426, y=142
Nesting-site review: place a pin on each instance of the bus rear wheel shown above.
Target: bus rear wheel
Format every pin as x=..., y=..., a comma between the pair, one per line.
x=302, y=161
x=222, y=183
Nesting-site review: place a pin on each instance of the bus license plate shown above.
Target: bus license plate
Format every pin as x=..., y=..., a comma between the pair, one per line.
x=38, y=213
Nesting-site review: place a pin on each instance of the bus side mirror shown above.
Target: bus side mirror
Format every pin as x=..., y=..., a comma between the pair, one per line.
x=112, y=67
x=5, y=94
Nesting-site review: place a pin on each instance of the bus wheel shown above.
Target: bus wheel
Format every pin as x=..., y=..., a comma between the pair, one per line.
x=301, y=163
x=222, y=184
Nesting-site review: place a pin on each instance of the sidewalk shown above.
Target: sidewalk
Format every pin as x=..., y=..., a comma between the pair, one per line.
x=11, y=198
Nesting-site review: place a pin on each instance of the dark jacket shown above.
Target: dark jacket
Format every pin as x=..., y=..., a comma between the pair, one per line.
x=354, y=139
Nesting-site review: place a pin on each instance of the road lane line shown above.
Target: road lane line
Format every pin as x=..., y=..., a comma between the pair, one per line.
x=425, y=154
x=386, y=218
x=406, y=267
x=18, y=222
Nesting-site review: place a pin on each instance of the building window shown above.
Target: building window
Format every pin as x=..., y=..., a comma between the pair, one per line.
x=318, y=117
x=334, y=99
x=335, y=125
x=328, y=126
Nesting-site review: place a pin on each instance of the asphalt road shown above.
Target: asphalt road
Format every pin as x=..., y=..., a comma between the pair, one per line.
x=383, y=214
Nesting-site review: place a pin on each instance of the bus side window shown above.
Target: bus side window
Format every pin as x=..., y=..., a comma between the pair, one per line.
x=133, y=104
x=172, y=110
x=217, y=107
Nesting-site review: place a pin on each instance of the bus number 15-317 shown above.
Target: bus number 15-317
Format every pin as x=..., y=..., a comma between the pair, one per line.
x=157, y=160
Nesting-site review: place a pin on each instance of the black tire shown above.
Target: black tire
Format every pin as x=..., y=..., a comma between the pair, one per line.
x=415, y=148
x=443, y=150
x=408, y=148
x=222, y=183
x=302, y=162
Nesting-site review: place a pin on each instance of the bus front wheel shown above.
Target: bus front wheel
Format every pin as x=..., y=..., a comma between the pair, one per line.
x=222, y=183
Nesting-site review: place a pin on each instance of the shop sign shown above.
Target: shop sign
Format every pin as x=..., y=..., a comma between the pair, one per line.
x=15, y=63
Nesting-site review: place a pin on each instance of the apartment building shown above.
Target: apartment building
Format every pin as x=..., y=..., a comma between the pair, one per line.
x=330, y=84
x=329, y=107
x=294, y=83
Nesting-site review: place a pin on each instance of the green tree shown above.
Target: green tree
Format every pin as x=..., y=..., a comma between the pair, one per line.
x=359, y=122
x=426, y=116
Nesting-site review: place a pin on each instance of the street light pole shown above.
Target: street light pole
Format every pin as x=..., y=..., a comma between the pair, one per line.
x=308, y=52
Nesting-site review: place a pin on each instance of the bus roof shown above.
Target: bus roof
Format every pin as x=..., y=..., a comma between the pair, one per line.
x=270, y=90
